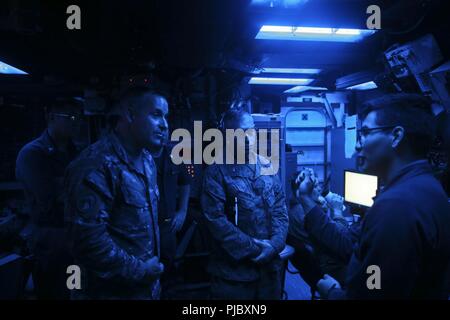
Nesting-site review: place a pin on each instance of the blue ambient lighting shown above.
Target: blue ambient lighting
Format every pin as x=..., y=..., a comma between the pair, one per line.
x=363, y=86
x=280, y=81
x=299, y=89
x=290, y=70
x=278, y=3
x=7, y=69
x=312, y=34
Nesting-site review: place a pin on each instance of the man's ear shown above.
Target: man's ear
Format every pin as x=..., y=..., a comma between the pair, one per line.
x=398, y=134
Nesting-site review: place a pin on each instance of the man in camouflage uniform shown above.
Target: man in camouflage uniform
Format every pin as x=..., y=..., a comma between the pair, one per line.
x=244, y=263
x=112, y=204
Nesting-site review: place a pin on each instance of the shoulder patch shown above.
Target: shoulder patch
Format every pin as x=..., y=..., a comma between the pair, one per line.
x=87, y=202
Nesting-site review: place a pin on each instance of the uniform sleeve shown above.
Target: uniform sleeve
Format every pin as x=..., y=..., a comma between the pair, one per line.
x=88, y=211
x=333, y=236
x=296, y=222
x=279, y=216
x=33, y=170
x=238, y=244
x=390, y=240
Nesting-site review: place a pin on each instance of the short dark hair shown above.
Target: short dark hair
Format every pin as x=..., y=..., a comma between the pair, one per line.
x=129, y=97
x=410, y=111
x=135, y=93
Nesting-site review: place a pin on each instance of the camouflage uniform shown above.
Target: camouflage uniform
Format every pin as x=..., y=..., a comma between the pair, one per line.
x=262, y=214
x=112, y=214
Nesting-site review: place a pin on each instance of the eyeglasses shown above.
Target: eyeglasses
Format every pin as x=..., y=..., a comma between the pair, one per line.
x=65, y=115
x=364, y=132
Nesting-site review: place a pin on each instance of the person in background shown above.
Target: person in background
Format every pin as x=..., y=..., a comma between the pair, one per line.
x=174, y=189
x=312, y=258
x=40, y=168
x=405, y=235
x=112, y=205
x=247, y=216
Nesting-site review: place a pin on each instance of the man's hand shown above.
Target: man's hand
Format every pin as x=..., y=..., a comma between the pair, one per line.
x=306, y=182
x=336, y=202
x=154, y=268
x=325, y=284
x=304, y=193
x=267, y=251
x=322, y=203
x=178, y=221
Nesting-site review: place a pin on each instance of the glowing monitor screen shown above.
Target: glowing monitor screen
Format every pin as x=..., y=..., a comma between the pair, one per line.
x=360, y=188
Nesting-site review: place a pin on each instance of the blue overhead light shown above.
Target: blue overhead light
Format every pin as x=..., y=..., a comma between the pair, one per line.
x=289, y=70
x=7, y=69
x=363, y=86
x=278, y=3
x=280, y=81
x=299, y=89
x=312, y=34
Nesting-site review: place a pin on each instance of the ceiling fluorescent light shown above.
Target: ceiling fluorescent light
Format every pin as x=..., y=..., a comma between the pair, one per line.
x=299, y=89
x=7, y=69
x=291, y=70
x=282, y=29
x=348, y=31
x=269, y=32
x=357, y=78
x=280, y=81
x=364, y=86
x=313, y=30
x=278, y=3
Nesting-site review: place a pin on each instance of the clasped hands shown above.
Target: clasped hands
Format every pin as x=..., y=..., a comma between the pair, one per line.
x=267, y=251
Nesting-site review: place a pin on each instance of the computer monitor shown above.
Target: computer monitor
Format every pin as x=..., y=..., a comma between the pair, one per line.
x=360, y=188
